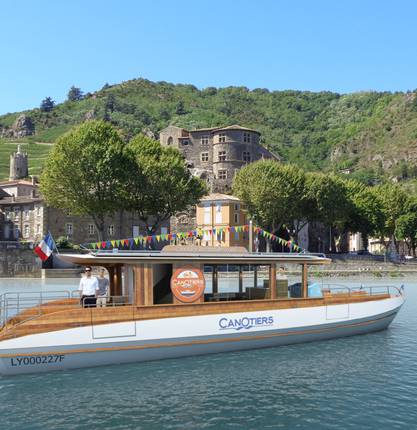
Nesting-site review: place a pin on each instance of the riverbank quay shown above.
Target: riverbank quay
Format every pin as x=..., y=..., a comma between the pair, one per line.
x=346, y=265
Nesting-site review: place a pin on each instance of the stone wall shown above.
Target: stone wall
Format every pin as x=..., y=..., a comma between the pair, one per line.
x=19, y=263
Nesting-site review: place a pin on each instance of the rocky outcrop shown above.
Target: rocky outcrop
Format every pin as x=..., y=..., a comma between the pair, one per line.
x=89, y=115
x=148, y=133
x=22, y=127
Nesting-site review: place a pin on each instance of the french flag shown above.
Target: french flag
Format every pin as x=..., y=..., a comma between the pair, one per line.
x=45, y=247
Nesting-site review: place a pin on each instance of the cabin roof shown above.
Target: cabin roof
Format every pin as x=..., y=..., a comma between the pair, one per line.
x=212, y=257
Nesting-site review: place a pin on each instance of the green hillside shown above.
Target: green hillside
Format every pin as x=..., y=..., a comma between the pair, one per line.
x=373, y=133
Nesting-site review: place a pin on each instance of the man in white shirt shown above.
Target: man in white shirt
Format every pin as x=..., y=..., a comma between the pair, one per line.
x=88, y=289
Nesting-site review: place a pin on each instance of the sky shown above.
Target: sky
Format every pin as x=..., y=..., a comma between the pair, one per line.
x=336, y=45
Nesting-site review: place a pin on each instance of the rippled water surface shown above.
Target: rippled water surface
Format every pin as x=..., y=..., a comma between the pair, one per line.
x=362, y=382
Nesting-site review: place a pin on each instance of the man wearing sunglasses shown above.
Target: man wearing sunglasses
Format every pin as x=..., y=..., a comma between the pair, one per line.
x=88, y=289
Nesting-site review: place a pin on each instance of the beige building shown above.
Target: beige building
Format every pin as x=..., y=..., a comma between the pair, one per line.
x=220, y=211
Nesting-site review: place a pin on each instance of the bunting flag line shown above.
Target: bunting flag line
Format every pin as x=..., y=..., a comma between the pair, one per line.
x=198, y=233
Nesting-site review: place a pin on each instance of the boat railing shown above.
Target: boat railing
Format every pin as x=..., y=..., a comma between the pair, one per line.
x=19, y=307
x=371, y=290
x=16, y=302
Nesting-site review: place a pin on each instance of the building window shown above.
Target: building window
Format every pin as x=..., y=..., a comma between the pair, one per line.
x=38, y=210
x=26, y=213
x=185, y=142
x=236, y=217
x=218, y=213
x=246, y=156
x=222, y=137
x=204, y=156
x=110, y=230
x=246, y=137
x=26, y=231
x=207, y=213
x=91, y=229
x=204, y=140
x=38, y=229
x=222, y=155
x=222, y=174
x=170, y=140
x=68, y=212
x=69, y=229
x=16, y=212
x=237, y=206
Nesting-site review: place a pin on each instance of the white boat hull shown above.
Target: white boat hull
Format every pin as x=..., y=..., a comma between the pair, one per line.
x=157, y=339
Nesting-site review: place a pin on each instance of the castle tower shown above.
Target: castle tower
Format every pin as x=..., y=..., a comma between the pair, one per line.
x=18, y=165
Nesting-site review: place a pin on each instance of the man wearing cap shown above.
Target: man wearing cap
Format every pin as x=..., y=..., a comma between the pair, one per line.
x=88, y=289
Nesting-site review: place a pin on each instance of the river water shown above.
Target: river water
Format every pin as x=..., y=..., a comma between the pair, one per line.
x=361, y=382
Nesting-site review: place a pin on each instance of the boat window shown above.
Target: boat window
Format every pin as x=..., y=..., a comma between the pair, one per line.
x=229, y=282
x=290, y=282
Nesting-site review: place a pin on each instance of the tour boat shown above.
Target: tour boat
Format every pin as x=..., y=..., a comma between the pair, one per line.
x=185, y=301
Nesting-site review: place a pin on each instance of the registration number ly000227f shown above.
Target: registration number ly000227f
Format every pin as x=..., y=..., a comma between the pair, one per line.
x=36, y=359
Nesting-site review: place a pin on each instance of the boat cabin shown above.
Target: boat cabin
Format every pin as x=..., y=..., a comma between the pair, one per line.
x=193, y=274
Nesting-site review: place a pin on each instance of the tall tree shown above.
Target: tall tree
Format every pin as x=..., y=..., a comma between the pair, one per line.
x=47, y=104
x=85, y=172
x=159, y=185
x=328, y=203
x=274, y=193
x=366, y=210
x=394, y=200
x=74, y=94
x=406, y=225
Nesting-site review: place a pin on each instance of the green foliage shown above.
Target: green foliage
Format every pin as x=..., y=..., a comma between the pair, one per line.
x=47, y=104
x=273, y=192
x=84, y=172
x=74, y=94
x=394, y=200
x=63, y=243
x=159, y=183
x=327, y=199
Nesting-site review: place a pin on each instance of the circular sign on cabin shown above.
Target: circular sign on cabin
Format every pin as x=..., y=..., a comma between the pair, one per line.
x=187, y=284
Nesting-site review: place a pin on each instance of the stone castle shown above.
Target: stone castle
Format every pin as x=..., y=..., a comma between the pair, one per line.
x=216, y=154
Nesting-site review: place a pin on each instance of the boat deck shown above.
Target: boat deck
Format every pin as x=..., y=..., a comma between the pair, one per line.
x=67, y=313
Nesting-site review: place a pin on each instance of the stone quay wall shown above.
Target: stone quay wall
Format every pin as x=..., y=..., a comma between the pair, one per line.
x=19, y=263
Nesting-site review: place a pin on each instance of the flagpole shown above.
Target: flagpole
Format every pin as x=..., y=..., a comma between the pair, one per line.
x=55, y=247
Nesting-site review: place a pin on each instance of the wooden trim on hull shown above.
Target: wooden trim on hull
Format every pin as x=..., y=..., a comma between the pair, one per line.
x=69, y=316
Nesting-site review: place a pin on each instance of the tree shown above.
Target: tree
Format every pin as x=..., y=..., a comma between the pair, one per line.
x=159, y=184
x=366, y=211
x=180, y=109
x=327, y=202
x=74, y=94
x=406, y=224
x=110, y=103
x=85, y=172
x=393, y=199
x=406, y=229
x=273, y=193
x=47, y=104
